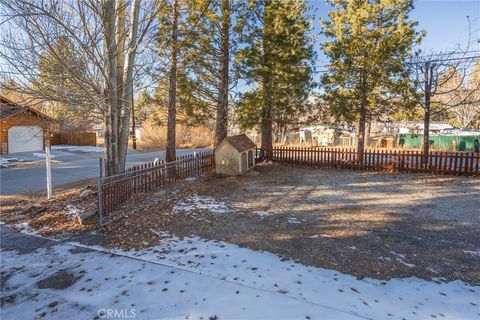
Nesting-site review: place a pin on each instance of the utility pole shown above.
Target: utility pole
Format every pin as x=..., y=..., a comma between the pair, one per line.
x=134, y=135
x=426, y=119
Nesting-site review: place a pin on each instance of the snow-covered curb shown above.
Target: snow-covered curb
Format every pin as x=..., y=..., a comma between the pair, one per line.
x=4, y=162
x=77, y=148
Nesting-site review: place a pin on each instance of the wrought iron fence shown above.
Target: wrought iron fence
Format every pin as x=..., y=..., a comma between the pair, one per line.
x=116, y=192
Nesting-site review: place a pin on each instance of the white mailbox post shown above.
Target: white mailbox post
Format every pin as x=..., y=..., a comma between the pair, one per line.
x=47, y=155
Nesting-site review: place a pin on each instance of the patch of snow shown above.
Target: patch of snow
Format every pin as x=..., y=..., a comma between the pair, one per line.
x=77, y=148
x=293, y=220
x=352, y=247
x=73, y=212
x=139, y=289
x=196, y=202
x=165, y=235
x=473, y=253
x=410, y=265
x=262, y=213
x=432, y=270
x=24, y=227
x=313, y=237
x=262, y=275
x=5, y=161
x=402, y=259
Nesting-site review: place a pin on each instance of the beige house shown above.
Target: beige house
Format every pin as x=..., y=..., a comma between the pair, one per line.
x=235, y=155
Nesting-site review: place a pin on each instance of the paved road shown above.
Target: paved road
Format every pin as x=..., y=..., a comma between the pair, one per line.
x=67, y=167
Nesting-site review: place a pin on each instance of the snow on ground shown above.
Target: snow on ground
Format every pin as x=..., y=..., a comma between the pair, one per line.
x=25, y=228
x=77, y=148
x=70, y=282
x=293, y=220
x=262, y=213
x=473, y=253
x=5, y=161
x=402, y=259
x=73, y=212
x=196, y=202
x=267, y=274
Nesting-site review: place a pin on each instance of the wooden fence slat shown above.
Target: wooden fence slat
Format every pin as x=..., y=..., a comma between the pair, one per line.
x=404, y=161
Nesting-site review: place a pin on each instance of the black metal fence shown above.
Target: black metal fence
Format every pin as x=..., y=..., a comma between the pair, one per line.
x=117, y=191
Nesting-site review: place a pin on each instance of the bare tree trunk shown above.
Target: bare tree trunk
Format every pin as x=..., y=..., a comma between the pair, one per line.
x=127, y=83
x=368, y=132
x=361, y=132
x=120, y=38
x=362, y=123
x=134, y=127
x=222, y=104
x=110, y=93
x=172, y=92
x=266, y=129
x=267, y=121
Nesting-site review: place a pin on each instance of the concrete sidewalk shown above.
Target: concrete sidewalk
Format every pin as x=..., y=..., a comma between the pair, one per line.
x=44, y=279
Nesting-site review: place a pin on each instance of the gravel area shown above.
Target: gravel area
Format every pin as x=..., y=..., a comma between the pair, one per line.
x=368, y=224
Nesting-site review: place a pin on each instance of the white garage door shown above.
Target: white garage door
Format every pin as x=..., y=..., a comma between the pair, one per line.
x=25, y=138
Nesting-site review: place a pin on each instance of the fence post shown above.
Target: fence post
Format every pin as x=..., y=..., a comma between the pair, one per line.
x=197, y=168
x=99, y=192
x=165, y=178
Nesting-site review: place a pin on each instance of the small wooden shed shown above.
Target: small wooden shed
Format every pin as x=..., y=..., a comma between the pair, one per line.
x=235, y=155
x=22, y=129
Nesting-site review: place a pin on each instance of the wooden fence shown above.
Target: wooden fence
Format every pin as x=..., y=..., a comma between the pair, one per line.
x=74, y=138
x=438, y=162
x=119, y=191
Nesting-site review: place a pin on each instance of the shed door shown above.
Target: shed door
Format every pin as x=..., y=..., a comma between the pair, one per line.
x=25, y=138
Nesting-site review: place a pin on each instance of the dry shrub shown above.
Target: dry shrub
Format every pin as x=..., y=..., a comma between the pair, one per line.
x=186, y=136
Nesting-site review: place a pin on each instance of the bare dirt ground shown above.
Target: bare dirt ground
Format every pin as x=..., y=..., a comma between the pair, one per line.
x=379, y=225
x=367, y=224
x=56, y=217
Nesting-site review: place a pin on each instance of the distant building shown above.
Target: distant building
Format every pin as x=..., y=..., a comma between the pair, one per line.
x=22, y=129
x=323, y=136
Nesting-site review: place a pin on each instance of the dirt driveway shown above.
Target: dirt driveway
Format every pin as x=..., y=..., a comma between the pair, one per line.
x=362, y=223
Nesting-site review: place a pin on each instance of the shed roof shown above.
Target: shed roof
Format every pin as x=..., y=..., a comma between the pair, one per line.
x=9, y=108
x=241, y=142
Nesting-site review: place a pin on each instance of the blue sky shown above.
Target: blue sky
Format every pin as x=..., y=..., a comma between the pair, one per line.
x=444, y=20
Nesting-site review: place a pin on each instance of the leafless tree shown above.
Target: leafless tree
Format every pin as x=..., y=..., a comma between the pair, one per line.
x=110, y=37
x=463, y=95
x=433, y=74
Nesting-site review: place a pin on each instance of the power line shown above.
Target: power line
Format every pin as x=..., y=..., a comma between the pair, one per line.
x=411, y=62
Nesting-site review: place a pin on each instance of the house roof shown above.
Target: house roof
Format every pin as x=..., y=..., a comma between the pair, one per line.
x=8, y=108
x=241, y=142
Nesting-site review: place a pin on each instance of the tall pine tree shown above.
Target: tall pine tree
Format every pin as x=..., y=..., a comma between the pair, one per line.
x=276, y=60
x=216, y=33
x=368, y=43
x=177, y=88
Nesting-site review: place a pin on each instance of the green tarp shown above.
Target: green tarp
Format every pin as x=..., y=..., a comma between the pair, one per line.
x=438, y=142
